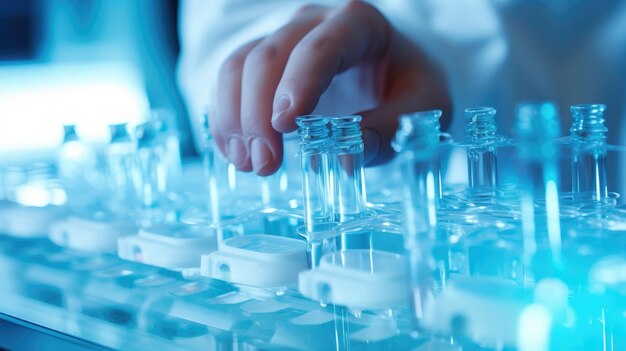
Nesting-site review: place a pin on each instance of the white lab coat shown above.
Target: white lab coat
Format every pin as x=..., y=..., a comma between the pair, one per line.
x=495, y=52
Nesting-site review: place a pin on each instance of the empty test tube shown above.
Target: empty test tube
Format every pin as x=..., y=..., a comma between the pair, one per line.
x=480, y=131
x=79, y=172
x=209, y=158
x=165, y=121
x=120, y=159
x=152, y=170
x=537, y=126
x=314, y=146
x=347, y=163
x=588, y=134
x=417, y=141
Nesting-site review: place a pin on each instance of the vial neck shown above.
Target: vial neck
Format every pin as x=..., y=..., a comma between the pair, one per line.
x=588, y=130
x=314, y=134
x=346, y=135
x=119, y=133
x=419, y=133
x=69, y=133
x=480, y=127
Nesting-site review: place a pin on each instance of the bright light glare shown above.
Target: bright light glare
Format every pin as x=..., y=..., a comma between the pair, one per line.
x=534, y=329
x=29, y=195
x=36, y=100
x=552, y=208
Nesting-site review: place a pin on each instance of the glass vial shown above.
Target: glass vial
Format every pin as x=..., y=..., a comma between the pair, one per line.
x=417, y=141
x=208, y=159
x=120, y=158
x=165, y=122
x=588, y=135
x=152, y=172
x=348, y=182
x=482, y=167
x=78, y=172
x=537, y=126
x=314, y=158
x=314, y=147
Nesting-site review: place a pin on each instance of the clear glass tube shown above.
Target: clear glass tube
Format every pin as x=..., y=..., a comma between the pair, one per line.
x=537, y=126
x=208, y=158
x=314, y=147
x=120, y=158
x=316, y=189
x=588, y=134
x=347, y=163
x=417, y=141
x=480, y=131
x=79, y=173
x=165, y=121
x=152, y=171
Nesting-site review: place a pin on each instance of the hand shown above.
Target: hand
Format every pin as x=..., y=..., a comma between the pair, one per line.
x=267, y=83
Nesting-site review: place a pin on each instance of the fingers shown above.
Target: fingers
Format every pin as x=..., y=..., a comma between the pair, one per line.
x=262, y=70
x=354, y=33
x=226, y=124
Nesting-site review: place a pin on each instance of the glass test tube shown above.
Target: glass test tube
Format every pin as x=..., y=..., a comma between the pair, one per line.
x=480, y=131
x=121, y=167
x=165, y=121
x=537, y=126
x=78, y=169
x=314, y=146
x=417, y=141
x=588, y=133
x=348, y=182
x=209, y=158
x=152, y=171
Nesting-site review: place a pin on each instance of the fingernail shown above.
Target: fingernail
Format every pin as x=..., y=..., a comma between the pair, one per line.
x=371, y=141
x=260, y=155
x=281, y=105
x=236, y=151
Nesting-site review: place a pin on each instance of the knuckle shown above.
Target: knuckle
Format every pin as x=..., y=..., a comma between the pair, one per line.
x=263, y=54
x=316, y=43
x=307, y=9
x=233, y=63
x=357, y=5
x=366, y=12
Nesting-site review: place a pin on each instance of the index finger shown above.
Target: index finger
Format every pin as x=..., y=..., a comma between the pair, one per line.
x=355, y=33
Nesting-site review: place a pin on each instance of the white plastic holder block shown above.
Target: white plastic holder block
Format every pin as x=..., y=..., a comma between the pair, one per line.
x=28, y=221
x=91, y=234
x=173, y=246
x=358, y=279
x=489, y=310
x=259, y=260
